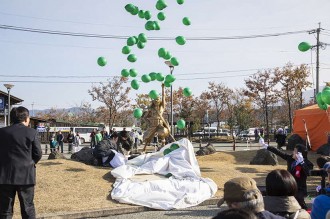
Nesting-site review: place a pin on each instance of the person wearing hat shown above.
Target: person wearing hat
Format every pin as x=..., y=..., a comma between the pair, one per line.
x=243, y=193
x=321, y=204
x=298, y=165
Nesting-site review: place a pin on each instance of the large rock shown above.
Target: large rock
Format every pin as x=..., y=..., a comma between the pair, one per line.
x=85, y=155
x=324, y=150
x=264, y=157
x=55, y=155
x=208, y=149
x=293, y=140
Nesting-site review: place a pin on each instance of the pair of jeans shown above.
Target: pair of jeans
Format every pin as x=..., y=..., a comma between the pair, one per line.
x=7, y=199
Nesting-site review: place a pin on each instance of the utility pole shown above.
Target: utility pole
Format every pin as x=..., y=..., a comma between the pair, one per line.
x=318, y=30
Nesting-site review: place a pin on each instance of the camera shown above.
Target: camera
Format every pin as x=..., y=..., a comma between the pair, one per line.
x=321, y=173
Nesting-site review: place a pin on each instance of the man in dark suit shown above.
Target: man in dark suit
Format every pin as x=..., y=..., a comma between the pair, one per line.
x=19, y=152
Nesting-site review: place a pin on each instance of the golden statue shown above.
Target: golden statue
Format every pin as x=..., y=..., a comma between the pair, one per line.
x=156, y=122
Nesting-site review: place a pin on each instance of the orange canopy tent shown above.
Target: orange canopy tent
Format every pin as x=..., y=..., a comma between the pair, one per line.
x=317, y=122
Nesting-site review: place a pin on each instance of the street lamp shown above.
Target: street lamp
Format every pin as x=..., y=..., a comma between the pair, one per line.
x=8, y=86
x=169, y=64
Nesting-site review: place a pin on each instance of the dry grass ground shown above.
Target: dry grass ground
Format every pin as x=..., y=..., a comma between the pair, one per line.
x=69, y=186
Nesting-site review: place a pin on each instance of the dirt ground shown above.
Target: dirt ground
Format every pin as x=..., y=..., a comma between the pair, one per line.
x=69, y=186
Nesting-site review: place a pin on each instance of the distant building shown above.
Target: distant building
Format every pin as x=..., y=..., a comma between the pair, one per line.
x=4, y=106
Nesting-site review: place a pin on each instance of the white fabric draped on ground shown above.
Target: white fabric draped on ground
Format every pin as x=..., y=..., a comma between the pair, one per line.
x=142, y=180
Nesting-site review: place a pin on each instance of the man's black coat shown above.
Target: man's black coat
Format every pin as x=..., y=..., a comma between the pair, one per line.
x=19, y=152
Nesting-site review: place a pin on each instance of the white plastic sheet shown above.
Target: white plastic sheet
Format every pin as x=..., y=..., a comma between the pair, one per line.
x=141, y=181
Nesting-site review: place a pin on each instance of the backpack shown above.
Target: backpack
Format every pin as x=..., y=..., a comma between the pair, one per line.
x=103, y=148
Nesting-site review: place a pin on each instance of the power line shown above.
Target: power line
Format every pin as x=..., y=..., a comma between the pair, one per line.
x=92, y=35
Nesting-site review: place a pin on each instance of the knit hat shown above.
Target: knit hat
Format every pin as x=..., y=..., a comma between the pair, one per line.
x=235, y=189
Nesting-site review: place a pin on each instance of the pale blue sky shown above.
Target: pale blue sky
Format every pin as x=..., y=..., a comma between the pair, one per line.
x=36, y=54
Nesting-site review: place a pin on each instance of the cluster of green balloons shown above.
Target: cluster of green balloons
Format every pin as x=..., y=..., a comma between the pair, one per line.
x=173, y=147
x=163, y=53
x=323, y=98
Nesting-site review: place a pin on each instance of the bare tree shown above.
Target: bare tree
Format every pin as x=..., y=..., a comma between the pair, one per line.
x=293, y=81
x=261, y=88
x=113, y=95
x=218, y=95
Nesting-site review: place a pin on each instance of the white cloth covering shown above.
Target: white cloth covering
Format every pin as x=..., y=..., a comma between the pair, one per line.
x=185, y=188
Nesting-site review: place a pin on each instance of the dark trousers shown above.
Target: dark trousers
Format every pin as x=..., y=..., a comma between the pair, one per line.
x=60, y=144
x=7, y=199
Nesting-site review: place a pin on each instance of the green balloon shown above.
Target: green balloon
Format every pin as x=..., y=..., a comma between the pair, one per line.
x=186, y=21
x=157, y=26
x=174, y=61
x=326, y=95
x=126, y=50
x=180, y=40
x=174, y=146
x=160, y=77
x=137, y=113
x=167, y=151
x=142, y=38
x=135, y=11
x=101, y=61
x=181, y=124
x=180, y=2
x=167, y=84
x=168, y=55
x=133, y=72
x=304, y=46
x=141, y=14
x=129, y=7
x=153, y=94
x=146, y=78
x=147, y=15
x=124, y=73
x=169, y=78
x=152, y=76
x=161, y=4
x=140, y=45
x=132, y=58
x=162, y=52
x=135, y=84
x=131, y=41
x=187, y=92
x=161, y=16
x=150, y=25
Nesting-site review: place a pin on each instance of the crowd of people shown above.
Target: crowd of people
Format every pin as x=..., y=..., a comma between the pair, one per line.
x=286, y=190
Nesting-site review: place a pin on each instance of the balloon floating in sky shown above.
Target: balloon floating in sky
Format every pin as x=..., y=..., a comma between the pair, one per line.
x=187, y=92
x=180, y=2
x=124, y=73
x=169, y=78
x=146, y=78
x=140, y=45
x=157, y=26
x=160, y=77
x=150, y=25
x=304, y=46
x=153, y=94
x=186, y=21
x=132, y=58
x=133, y=73
x=181, y=124
x=174, y=61
x=101, y=61
x=161, y=16
x=180, y=40
x=135, y=84
x=162, y=52
x=131, y=41
x=147, y=15
x=142, y=38
x=126, y=50
x=161, y=4
x=167, y=84
x=137, y=113
x=153, y=76
x=168, y=55
x=141, y=14
x=129, y=7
